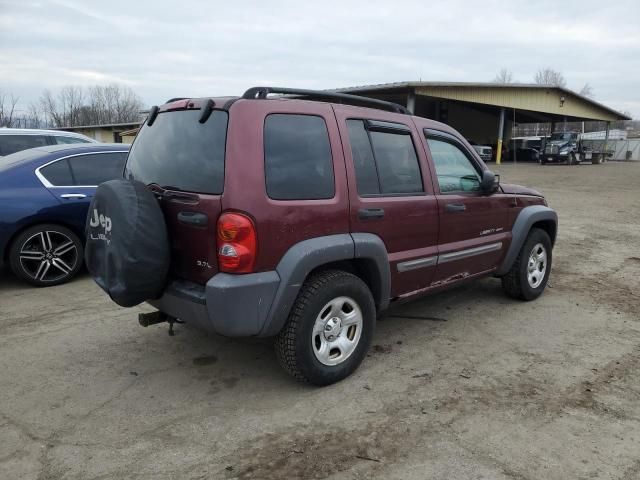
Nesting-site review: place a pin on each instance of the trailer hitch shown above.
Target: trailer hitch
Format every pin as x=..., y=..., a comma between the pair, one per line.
x=153, y=318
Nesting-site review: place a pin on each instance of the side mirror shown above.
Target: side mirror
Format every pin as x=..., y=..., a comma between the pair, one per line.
x=490, y=182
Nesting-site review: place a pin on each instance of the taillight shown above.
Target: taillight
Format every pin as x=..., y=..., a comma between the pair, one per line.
x=237, y=245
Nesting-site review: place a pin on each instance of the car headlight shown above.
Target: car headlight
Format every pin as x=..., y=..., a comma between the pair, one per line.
x=563, y=151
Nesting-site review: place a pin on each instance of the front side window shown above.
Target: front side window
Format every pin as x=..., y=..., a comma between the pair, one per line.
x=455, y=171
x=297, y=158
x=385, y=162
x=97, y=168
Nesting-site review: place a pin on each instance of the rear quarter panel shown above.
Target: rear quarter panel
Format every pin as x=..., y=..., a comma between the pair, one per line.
x=280, y=224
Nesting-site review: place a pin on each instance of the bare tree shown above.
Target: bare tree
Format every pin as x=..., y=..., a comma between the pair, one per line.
x=551, y=77
x=587, y=91
x=98, y=105
x=7, y=109
x=503, y=76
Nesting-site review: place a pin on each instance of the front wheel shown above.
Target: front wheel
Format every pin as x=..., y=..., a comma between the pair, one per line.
x=528, y=276
x=329, y=329
x=46, y=255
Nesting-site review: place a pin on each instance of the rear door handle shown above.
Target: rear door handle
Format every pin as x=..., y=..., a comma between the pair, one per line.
x=193, y=218
x=456, y=207
x=370, y=213
x=73, y=195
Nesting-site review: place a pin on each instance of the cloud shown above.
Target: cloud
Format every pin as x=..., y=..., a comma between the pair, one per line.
x=199, y=47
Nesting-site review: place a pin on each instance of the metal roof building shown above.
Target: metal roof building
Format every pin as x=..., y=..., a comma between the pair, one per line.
x=486, y=112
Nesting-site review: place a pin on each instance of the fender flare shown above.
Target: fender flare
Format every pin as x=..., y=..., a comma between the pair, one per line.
x=527, y=217
x=303, y=257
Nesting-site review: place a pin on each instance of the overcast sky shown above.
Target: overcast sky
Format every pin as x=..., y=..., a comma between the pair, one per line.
x=165, y=49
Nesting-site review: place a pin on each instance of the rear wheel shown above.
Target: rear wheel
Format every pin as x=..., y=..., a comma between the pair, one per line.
x=46, y=255
x=528, y=276
x=329, y=329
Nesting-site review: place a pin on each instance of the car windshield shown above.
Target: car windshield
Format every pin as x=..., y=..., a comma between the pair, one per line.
x=561, y=136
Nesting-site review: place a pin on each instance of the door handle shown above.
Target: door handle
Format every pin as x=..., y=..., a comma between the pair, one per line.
x=193, y=218
x=370, y=213
x=73, y=195
x=456, y=207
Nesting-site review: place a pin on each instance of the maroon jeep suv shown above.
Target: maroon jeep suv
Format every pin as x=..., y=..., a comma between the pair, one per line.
x=302, y=215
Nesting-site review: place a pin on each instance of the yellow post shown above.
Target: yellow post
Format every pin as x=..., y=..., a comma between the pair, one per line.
x=500, y=134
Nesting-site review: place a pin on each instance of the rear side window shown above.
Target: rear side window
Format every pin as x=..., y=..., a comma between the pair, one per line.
x=97, y=168
x=180, y=153
x=58, y=173
x=15, y=143
x=385, y=162
x=297, y=158
x=85, y=170
x=60, y=140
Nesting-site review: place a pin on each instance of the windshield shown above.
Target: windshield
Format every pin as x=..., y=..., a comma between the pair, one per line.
x=180, y=153
x=561, y=136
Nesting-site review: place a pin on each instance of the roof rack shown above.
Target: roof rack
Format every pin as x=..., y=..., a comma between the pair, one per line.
x=262, y=92
x=176, y=99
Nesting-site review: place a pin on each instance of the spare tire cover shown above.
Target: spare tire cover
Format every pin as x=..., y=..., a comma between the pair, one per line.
x=127, y=251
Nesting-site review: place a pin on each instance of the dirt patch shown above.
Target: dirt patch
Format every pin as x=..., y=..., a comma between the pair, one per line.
x=309, y=452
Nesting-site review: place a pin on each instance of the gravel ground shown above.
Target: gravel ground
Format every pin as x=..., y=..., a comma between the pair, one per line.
x=463, y=385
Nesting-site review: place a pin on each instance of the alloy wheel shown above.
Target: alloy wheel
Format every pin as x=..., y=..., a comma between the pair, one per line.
x=48, y=256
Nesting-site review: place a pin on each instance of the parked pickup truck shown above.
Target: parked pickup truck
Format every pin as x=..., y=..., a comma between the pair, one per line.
x=485, y=151
x=303, y=217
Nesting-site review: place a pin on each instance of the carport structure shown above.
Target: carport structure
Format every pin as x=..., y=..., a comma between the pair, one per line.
x=487, y=112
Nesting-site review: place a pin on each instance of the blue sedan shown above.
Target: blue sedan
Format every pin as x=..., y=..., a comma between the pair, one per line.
x=44, y=198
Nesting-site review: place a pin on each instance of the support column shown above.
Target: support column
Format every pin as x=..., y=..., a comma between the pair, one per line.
x=500, y=134
x=411, y=102
x=606, y=139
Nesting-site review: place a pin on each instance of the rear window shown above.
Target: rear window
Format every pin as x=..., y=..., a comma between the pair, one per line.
x=180, y=153
x=15, y=143
x=60, y=140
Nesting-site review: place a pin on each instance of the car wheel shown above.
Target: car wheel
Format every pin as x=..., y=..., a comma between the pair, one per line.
x=329, y=329
x=46, y=255
x=528, y=276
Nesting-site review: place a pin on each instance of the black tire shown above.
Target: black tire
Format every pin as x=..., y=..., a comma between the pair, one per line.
x=516, y=282
x=294, y=344
x=543, y=161
x=46, y=255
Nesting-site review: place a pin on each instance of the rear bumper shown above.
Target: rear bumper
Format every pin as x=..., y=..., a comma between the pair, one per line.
x=230, y=305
